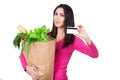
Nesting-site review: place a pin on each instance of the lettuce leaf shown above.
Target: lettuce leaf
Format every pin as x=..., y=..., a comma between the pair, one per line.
x=38, y=34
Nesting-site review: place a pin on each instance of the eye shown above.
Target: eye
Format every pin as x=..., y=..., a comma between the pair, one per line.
x=62, y=14
x=56, y=14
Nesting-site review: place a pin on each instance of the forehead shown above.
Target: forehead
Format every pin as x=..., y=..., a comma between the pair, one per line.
x=59, y=10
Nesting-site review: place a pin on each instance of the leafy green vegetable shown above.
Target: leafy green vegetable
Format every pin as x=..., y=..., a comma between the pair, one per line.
x=39, y=34
x=17, y=40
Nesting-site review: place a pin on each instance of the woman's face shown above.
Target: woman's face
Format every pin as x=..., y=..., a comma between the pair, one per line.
x=59, y=17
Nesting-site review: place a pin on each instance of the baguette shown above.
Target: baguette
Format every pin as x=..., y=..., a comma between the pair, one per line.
x=21, y=29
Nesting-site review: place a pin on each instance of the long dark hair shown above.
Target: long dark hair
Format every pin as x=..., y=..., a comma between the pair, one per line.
x=69, y=21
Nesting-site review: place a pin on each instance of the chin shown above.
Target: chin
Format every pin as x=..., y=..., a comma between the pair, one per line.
x=58, y=25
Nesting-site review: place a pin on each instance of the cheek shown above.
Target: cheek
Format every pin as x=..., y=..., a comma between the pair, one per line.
x=62, y=21
x=54, y=19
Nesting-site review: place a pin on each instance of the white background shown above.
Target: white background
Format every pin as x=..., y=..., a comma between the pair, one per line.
x=101, y=18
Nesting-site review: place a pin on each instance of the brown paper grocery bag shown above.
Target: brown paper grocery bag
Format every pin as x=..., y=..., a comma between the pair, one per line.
x=41, y=55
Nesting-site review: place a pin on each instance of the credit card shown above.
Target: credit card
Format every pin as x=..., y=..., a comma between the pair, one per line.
x=72, y=30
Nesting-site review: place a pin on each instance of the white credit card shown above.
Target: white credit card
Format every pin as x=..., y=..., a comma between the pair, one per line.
x=72, y=30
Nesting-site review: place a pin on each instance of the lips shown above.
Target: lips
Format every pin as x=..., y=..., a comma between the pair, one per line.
x=57, y=23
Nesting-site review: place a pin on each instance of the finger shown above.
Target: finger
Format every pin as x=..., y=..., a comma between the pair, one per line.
x=35, y=70
x=31, y=72
x=79, y=27
x=35, y=76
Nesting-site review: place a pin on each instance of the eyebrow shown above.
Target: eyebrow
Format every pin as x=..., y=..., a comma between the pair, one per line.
x=60, y=13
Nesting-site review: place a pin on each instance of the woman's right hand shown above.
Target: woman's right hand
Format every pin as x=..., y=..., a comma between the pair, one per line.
x=33, y=72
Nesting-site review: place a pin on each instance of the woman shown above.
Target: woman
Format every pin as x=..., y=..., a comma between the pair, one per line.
x=66, y=43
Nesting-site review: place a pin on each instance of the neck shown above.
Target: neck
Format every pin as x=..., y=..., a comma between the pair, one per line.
x=60, y=34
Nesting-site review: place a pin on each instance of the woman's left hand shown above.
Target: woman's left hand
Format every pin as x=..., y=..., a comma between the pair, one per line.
x=83, y=34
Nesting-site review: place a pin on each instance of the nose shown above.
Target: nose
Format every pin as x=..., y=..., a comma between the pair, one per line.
x=57, y=17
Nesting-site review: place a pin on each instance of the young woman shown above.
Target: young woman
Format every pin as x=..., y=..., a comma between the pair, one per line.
x=66, y=43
